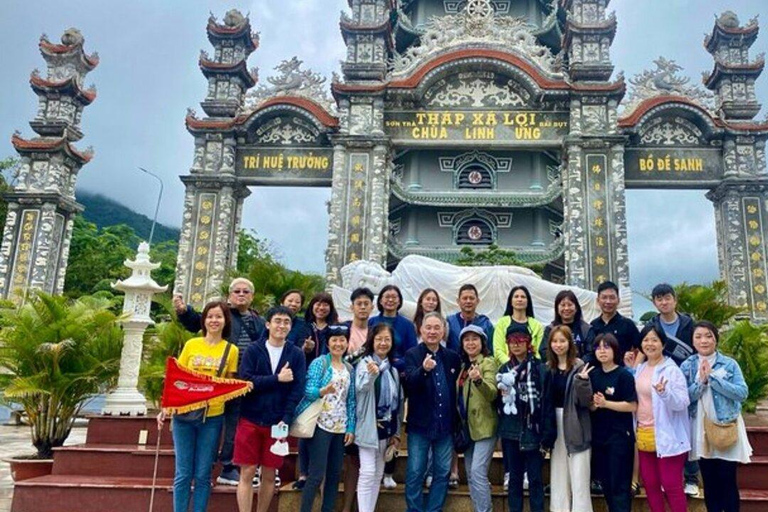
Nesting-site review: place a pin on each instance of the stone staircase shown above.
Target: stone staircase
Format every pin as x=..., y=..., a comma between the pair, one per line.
x=112, y=471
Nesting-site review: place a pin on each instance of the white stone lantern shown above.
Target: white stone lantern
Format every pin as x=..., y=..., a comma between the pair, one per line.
x=139, y=288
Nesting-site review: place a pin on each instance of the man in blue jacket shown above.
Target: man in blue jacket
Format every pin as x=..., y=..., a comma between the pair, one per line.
x=277, y=370
x=247, y=327
x=468, y=302
x=430, y=383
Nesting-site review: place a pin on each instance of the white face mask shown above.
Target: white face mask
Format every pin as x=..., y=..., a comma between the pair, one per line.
x=280, y=448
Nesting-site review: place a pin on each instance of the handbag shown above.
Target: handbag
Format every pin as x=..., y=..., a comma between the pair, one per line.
x=200, y=414
x=461, y=438
x=720, y=436
x=646, y=439
x=303, y=427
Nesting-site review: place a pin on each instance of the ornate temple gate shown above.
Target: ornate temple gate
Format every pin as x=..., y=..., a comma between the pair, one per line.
x=479, y=97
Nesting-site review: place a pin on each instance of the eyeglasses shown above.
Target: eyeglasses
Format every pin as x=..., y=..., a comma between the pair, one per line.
x=241, y=292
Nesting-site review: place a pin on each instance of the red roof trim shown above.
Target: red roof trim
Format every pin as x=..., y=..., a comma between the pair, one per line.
x=202, y=124
x=652, y=103
x=62, y=49
x=415, y=79
x=36, y=81
x=48, y=145
x=310, y=106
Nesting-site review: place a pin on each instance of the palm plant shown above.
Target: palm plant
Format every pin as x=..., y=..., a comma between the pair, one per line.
x=56, y=353
x=706, y=302
x=747, y=343
x=163, y=340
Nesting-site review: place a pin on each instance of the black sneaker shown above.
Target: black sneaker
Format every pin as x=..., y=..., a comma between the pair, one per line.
x=299, y=484
x=597, y=488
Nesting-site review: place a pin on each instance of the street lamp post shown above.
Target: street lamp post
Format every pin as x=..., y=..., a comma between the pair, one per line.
x=157, y=206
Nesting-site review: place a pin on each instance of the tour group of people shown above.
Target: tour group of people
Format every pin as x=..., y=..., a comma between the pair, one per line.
x=612, y=407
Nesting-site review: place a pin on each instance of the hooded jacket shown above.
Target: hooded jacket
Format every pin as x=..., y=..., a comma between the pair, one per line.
x=577, y=425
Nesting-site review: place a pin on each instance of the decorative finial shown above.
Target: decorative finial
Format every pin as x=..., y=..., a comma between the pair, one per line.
x=72, y=37
x=234, y=18
x=729, y=19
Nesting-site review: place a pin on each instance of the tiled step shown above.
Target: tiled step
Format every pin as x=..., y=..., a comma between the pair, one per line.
x=460, y=501
x=130, y=461
x=66, y=493
x=754, y=475
x=758, y=438
x=126, y=430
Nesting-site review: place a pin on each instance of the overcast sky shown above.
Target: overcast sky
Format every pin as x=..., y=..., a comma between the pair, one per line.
x=148, y=76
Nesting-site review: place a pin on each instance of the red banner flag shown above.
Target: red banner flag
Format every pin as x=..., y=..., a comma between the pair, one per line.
x=185, y=390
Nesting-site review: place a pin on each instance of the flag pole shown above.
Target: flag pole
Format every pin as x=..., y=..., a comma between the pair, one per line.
x=154, y=473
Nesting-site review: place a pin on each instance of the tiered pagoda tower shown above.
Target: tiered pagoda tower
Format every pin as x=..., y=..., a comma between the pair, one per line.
x=38, y=228
x=214, y=197
x=740, y=199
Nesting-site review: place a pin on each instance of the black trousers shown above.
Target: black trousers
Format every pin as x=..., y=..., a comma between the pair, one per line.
x=520, y=462
x=231, y=417
x=326, y=454
x=721, y=491
x=613, y=468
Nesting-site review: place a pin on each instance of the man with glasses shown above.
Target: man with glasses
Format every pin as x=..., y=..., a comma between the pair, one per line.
x=247, y=327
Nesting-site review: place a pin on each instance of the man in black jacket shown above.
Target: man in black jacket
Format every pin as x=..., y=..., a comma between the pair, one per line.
x=430, y=383
x=277, y=370
x=247, y=327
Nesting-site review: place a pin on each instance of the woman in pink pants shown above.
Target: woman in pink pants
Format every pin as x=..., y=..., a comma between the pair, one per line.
x=663, y=427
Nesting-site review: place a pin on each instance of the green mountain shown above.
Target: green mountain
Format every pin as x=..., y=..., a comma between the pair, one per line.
x=103, y=212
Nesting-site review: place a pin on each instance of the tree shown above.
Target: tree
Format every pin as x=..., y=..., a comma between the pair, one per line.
x=270, y=277
x=56, y=354
x=706, y=302
x=97, y=256
x=747, y=343
x=8, y=164
x=492, y=255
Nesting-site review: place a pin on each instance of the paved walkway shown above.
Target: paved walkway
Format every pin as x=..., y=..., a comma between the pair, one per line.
x=15, y=441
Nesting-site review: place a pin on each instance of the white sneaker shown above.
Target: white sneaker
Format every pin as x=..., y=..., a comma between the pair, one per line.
x=428, y=482
x=506, y=482
x=389, y=482
x=525, y=481
x=691, y=489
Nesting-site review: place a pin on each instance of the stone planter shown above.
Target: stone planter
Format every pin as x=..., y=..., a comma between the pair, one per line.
x=25, y=468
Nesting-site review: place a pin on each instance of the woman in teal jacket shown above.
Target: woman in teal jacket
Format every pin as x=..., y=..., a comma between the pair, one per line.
x=330, y=379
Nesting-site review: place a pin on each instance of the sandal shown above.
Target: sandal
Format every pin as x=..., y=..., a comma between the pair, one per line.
x=635, y=489
x=453, y=481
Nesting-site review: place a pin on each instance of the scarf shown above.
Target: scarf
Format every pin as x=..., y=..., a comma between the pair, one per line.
x=528, y=394
x=388, y=392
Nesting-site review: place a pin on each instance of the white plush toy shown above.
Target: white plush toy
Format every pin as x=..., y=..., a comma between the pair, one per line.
x=506, y=384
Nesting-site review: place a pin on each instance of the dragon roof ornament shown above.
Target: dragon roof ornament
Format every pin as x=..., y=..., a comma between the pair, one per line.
x=665, y=81
x=292, y=81
x=477, y=25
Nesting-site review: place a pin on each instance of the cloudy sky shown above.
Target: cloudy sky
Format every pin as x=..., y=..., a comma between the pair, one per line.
x=148, y=76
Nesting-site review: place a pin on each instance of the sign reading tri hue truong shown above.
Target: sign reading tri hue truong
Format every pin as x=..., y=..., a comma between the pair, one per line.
x=285, y=166
x=523, y=127
x=675, y=167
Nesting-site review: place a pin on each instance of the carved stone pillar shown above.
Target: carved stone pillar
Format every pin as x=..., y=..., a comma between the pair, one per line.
x=741, y=213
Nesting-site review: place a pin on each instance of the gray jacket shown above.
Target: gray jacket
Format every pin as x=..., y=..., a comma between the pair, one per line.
x=577, y=426
x=366, y=431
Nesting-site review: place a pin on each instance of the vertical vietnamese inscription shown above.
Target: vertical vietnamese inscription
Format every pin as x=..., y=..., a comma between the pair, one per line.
x=202, y=247
x=753, y=225
x=357, y=200
x=22, y=267
x=599, y=223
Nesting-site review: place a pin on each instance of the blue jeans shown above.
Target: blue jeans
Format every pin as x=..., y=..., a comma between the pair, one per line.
x=195, y=444
x=442, y=453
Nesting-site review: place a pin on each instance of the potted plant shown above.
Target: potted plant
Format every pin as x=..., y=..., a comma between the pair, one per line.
x=56, y=353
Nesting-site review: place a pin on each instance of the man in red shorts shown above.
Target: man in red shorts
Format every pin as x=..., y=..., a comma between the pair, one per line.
x=277, y=370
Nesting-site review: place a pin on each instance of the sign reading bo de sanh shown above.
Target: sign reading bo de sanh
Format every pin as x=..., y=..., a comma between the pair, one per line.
x=473, y=126
x=285, y=166
x=673, y=167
